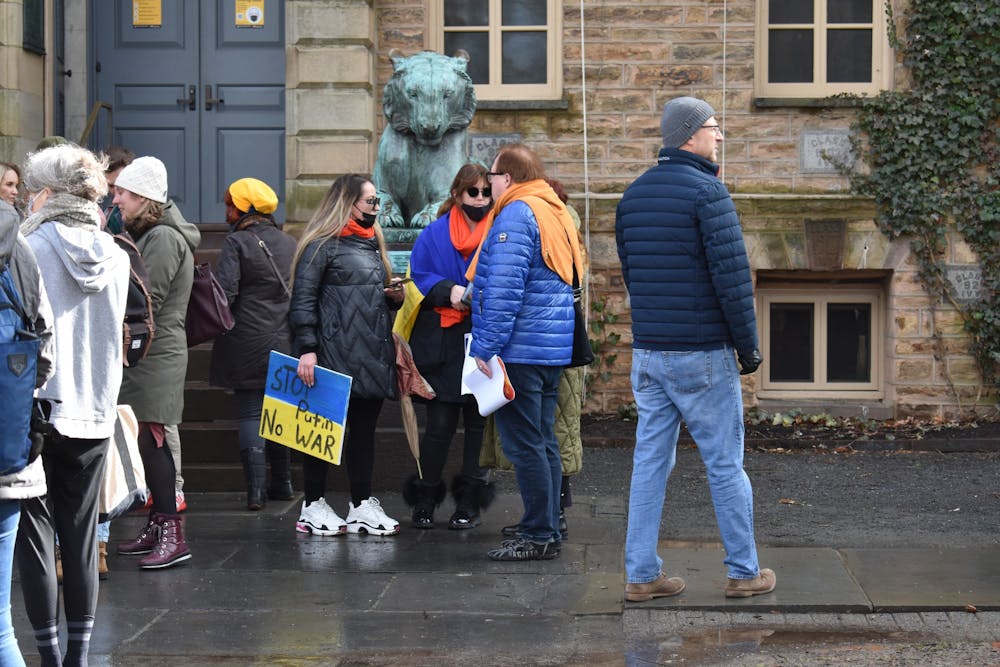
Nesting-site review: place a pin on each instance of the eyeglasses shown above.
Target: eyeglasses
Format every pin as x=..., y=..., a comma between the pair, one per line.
x=474, y=192
x=715, y=128
x=491, y=174
x=372, y=201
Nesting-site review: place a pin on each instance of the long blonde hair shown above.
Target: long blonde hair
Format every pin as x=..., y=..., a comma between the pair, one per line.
x=332, y=215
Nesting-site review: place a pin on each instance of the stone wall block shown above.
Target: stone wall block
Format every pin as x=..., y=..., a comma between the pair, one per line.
x=329, y=20
x=339, y=64
x=332, y=110
x=906, y=323
x=913, y=370
x=963, y=370
x=328, y=157
x=949, y=323
x=961, y=252
x=603, y=251
x=665, y=76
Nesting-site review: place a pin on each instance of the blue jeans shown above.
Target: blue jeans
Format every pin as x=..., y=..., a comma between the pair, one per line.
x=10, y=513
x=702, y=388
x=528, y=440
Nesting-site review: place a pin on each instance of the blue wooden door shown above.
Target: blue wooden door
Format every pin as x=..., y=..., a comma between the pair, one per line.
x=200, y=91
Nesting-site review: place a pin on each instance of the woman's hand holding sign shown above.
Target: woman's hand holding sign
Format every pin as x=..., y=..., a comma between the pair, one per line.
x=307, y=364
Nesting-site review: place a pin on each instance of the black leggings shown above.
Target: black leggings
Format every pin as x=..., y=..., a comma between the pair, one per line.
x=358, y=454
x=159, y=465
x=442, y=421
x=74, y=469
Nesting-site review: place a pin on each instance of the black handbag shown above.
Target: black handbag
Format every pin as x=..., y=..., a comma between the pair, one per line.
x=208, y=314
x=583, y=353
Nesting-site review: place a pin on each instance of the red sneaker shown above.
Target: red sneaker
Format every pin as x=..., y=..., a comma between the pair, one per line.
x=181, y=502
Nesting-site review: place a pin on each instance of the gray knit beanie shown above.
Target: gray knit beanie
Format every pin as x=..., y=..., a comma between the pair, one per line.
x=682, y=116
x=146, y=177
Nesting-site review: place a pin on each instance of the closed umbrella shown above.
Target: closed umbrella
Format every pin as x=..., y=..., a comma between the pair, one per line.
x=410, y=382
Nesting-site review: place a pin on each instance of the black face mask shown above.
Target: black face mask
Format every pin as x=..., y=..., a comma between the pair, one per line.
x=367, y=220
x=476, y=213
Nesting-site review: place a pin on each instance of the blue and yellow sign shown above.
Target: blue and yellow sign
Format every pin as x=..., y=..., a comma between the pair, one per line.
x=309, y=419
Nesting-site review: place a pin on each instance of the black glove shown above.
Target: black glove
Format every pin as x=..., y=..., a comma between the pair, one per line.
x=41, y=409
x=749, y=363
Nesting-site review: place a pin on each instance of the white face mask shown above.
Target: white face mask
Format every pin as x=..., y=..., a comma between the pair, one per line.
x=32, y=199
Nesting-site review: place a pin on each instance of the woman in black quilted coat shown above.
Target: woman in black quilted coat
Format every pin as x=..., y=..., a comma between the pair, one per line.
x=342, y=295
x=254, y=269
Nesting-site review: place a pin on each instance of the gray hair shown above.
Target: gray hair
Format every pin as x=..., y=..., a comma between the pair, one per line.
x=67, y=168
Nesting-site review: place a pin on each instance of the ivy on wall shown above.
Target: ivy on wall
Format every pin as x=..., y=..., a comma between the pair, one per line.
x=931, y=153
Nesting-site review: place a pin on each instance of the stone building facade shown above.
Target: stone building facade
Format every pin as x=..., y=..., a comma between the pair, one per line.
x=832, y=290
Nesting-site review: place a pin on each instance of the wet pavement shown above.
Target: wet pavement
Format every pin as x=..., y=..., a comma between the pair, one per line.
x=257, y=592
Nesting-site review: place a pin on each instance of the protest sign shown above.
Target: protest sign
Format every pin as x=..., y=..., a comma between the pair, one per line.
x=309, y=419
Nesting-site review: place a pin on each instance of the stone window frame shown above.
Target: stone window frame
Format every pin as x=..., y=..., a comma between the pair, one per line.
x=499, y=92
x=882, y=58
x=820, y=295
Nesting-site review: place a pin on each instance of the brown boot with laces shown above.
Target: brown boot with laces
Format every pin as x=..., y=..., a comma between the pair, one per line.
x=764, y=582
x=661, y=587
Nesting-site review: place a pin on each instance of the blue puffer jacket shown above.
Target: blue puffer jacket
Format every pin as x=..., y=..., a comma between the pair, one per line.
x=521, y=309
x=683, y=259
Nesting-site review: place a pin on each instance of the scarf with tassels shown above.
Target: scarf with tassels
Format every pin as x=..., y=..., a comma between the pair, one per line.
x=560, y=246
x=65, y=209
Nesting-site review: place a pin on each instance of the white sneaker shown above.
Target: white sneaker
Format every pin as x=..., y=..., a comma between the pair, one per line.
x=368, y=517
x=319, y=518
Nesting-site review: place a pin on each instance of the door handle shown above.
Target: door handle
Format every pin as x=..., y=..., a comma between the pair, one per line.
x=209, y=100
x=190, y=99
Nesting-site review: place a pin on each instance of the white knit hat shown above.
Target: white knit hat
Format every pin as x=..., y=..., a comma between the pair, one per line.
x=146, y=177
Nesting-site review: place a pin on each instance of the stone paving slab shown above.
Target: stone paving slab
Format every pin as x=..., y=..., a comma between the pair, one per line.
x=900, y=580
x=808, y=580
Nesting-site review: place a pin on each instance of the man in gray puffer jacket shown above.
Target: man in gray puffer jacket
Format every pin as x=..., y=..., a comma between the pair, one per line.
x=688, y=277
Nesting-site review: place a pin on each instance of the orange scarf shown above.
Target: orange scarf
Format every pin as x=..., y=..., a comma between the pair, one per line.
x=466, y=242
x=560, y=244
x=354, y=228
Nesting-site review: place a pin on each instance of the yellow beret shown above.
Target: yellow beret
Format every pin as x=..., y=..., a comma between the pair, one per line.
x=248, y=192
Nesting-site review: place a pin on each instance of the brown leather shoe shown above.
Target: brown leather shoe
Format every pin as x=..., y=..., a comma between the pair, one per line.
x=102, y=560
x=763, y=583
x=661, y=587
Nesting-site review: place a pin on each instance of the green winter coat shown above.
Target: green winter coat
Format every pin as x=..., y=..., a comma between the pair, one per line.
x=155, y=386
x=567, y=427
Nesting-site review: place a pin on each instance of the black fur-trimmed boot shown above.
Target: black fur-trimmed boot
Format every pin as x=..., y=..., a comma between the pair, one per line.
x=471, y=495
x=423, y=497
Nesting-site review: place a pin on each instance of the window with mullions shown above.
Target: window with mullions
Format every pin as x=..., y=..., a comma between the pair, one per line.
x=513, y=45
x=816, y=48
x=826, y=344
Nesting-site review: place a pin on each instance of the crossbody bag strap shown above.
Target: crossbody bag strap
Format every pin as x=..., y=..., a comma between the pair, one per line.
x=270, y=259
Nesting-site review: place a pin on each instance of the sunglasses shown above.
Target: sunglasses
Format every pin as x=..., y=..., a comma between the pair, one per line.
x=372, y=201
x=474, y=192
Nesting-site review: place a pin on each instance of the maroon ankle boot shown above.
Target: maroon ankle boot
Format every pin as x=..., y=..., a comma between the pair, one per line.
x=171, y=548
x=144, y=543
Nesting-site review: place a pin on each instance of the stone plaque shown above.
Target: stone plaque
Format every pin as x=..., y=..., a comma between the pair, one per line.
x=966, y=283
x=484, y=147
x=399, y=259
x=815, y=147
